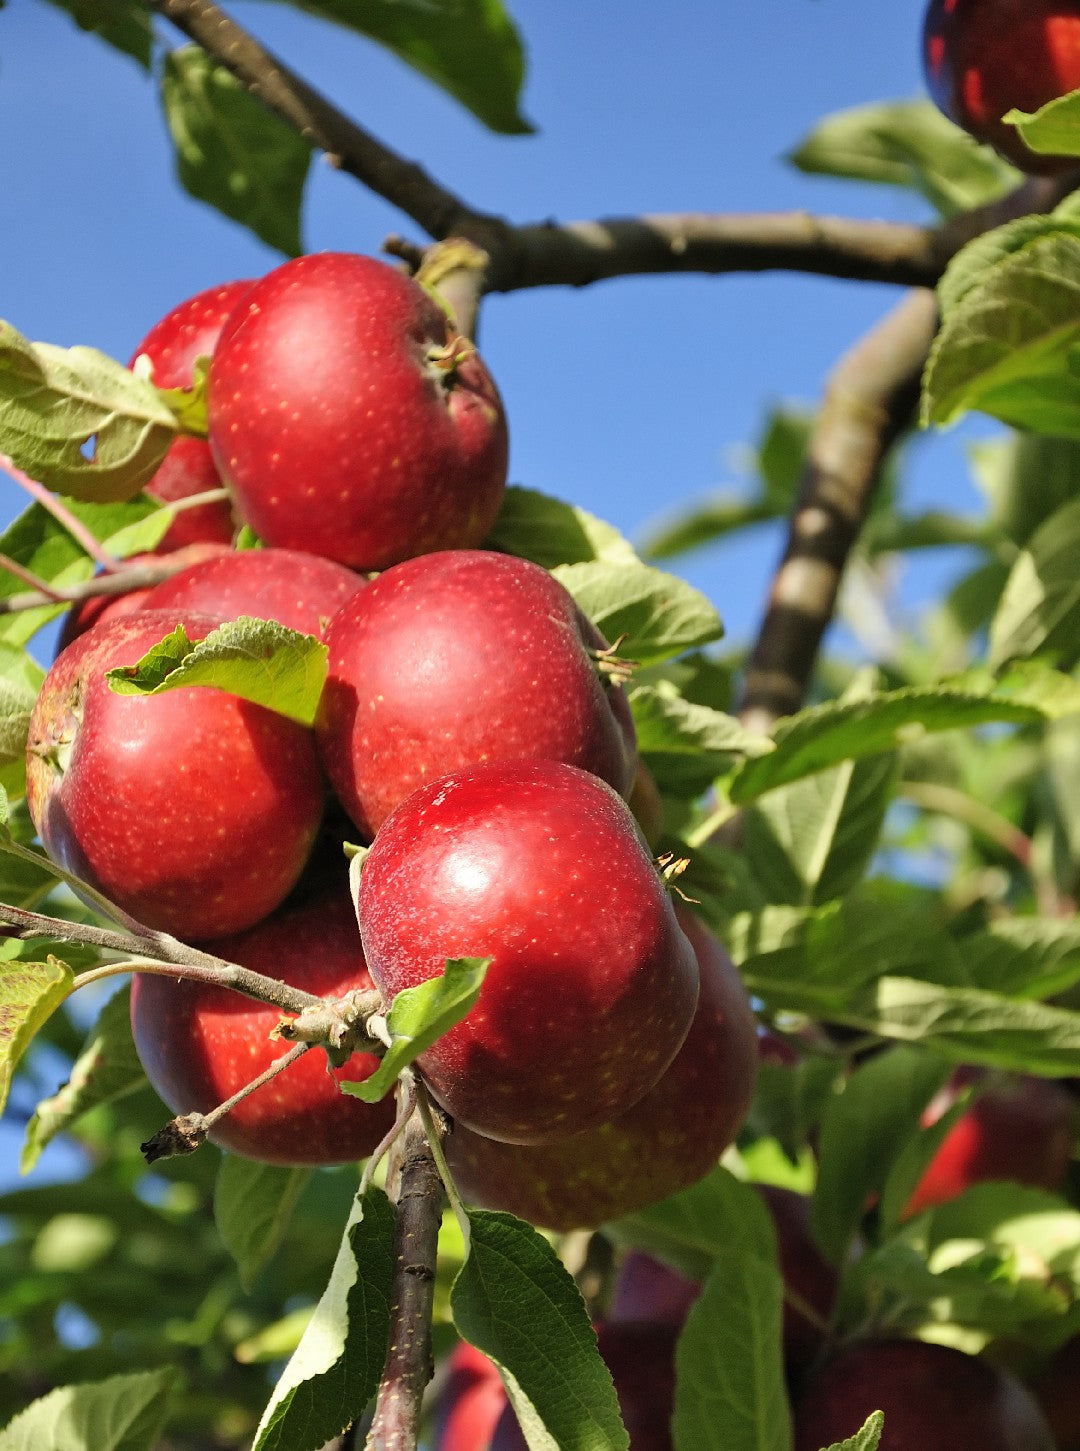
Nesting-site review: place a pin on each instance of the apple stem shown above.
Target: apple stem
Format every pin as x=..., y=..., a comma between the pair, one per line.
x=417, y=1193
x=188, y=1131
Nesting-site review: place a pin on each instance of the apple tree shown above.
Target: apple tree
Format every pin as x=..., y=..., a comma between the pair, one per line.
x=577, y=1034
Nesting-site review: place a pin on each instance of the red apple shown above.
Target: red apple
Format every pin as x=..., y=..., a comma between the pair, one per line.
x=109, y=607
x=194, y=811
x=458, y=657
x=647, y=1289
x=668, y=1140
x=351, y=420
x=934, y=1398
x=199, y=1045
x=805, y=1271
x=641, y=1358
x=172, y=345
x=593, y=984
x=470, y=1402
x=983, y=58
x=1019, y=1128
x=302, y=591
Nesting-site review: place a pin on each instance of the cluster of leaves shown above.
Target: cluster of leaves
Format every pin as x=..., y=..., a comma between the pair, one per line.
x=886, y=918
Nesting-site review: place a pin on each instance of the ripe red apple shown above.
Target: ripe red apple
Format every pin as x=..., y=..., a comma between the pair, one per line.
x=194, y=811
x=641, y=1359
x=199, y=1045
x=351, y=420
x=668, y=1140
x=188, y=332
x=108, y=607
x=1019, y=1128
x=470, y=1401
x=983, y=58
x=593, y=984
x=647, y=1289
x=457, y=657
x=934, y=1398
x=302, y=591
x=805, y=1270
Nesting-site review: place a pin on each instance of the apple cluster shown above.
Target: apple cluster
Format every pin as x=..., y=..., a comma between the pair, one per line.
x=472, y=734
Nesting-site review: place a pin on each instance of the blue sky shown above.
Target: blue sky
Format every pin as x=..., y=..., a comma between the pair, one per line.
x=630, y=397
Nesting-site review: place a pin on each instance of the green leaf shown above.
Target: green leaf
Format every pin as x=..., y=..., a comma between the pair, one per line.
x=1008, y=346
x=1027, y=477
x=418, y=1015
x=470, y=48
x=1024, y=957
x=729, y=1389
x=53, y=401
x=862, y=1131
x=909, y=144
x=685, y=745
x=866, y=1439
x=17, y=701
x=106, y=1069
x=515, y=1301
x=659, y=614
x=258, y=660
x=233, y=153
x=123, y=1413
x=706, y=522
x=335, y=1369
x=688, y=1230
x=549, y=532
x=1052, y=130
x=1039, y=611
x=972, y=265
x=824, y=735
x=124, y=24
x=30, y=992
x=812, y=840
x=253, y=1204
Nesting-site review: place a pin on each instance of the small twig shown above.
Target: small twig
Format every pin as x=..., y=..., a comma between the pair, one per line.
x=44, y=592
x=417, y=1192
x=119, y=582
x=63, y=515
x=185, y=1133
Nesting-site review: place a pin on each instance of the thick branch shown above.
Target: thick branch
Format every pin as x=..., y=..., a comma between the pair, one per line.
x=409, y=1363
x=869, y=401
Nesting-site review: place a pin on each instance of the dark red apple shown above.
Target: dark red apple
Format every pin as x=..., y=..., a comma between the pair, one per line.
x=1019, y=1128
x=806, y=1272
x=647, y=1289
x=302, y=591
x=984, y=58
x=172, y=345
x=934, y=1399
x=668, y=1140
x=199, y=1045
x=349, y=418
x=457, y=657
x=1057, y=1389
x=194, y=811
x=593, y=984
x=641, y=1358
x=109, y=607
x=470, y=1402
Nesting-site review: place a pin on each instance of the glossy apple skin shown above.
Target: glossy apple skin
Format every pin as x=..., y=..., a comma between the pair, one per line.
x=804, y=1269
x=641, y=1359
x=593, y=984
x=337, y=426
x=667, y=1141
x=199, y=1045
x=188, y=332
x=934, y=1398
x=457, y=657
x=1018, y=1129
x=302, y=591
x=983, y=58
x=194, y=811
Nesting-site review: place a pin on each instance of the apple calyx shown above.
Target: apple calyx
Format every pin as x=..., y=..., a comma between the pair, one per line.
x=611, y=667
x=443, y=361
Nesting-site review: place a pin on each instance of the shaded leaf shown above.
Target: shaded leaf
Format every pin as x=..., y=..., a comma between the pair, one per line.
x=514, y=1300
x=659, y=614
x=53, y=401
x=233, y=153
x=30, y=992
x=123, y=1413
x=253, y=1204
x=124, y=24
x=689, y=1229
x=1039, y=611
x=258, y=660
x=335, y=1369
x=686, y=745
x=418, y=1015
x=866, y=1439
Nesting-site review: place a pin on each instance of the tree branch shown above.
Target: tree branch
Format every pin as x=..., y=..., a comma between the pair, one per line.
x=869, y=401
x=409, y=1363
